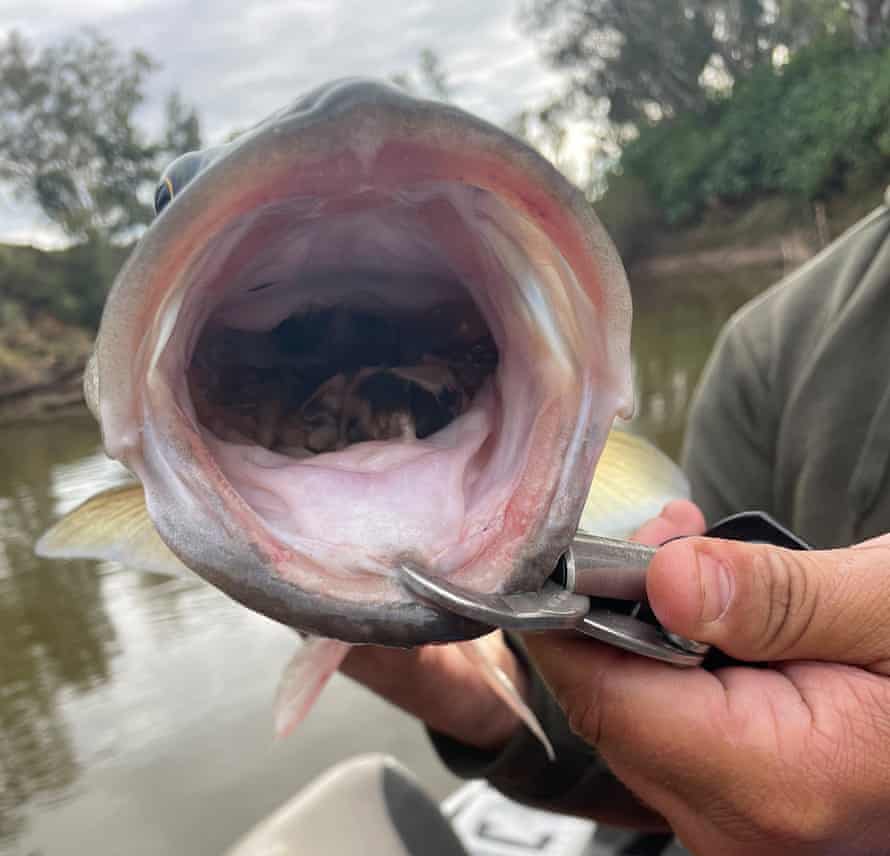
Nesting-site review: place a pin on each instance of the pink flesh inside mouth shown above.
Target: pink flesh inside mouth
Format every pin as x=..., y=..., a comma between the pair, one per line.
x=442, y=261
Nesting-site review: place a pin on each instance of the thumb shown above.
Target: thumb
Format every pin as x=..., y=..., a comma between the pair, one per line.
x=757, y=602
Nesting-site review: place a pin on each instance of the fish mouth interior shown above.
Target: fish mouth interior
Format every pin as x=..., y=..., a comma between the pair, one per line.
x=371, y=372
x=329, y=377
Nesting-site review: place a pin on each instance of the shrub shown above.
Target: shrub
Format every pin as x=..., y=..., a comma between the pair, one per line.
x=802, y=131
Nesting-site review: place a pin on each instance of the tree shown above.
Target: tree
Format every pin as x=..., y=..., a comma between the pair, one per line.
x=652, y=60
x=70, y=140
x=430, y=79
x=646, y=58
x=807, y=21
x=433, y=76
x=870, y=21
x=182, y=128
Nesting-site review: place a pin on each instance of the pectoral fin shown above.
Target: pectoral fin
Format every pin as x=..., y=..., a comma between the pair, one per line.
x=633, y=482
x=112, y=525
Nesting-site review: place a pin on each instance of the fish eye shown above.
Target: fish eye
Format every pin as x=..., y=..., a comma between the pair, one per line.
x=176, y=176
x=163, y=195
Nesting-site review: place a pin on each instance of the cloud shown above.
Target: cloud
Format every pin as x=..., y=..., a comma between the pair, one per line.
x=238, y=62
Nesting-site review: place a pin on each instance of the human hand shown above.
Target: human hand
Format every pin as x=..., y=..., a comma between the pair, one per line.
x=437, y=684
x=441, y=687
x=794, y=758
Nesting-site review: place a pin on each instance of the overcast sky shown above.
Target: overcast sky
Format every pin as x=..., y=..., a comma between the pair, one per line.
x=238, y=61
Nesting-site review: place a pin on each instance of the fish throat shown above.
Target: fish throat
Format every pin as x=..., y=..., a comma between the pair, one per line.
x=329, y=377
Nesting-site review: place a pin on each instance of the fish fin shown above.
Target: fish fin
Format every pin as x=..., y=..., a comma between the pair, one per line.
x=111, y=525
x=476, y=652
x=633, y=482
x=305, y=676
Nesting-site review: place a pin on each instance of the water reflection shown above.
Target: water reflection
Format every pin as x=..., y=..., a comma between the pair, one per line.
x=675, y=324
x=135, y=708
x=55, y=634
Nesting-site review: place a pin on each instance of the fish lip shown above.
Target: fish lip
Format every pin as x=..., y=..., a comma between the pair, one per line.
x=380, y=115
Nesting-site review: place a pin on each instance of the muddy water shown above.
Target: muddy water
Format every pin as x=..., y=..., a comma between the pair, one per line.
x=135, y=710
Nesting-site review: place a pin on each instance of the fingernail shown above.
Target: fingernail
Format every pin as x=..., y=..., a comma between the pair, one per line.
x=716, y=587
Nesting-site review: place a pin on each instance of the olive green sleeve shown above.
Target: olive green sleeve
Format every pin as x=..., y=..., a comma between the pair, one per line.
x=788, y=416
x=729, y=444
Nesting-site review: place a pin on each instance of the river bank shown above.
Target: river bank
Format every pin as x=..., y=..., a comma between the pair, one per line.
x=41, y=364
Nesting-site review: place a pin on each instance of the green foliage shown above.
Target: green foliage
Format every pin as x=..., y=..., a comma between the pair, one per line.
x=429, y=80
x=629, y=214
x=71, y=144
x=31, y=277
x=68, y=284
x=637, y=54
x=70, y=141
x=803, y=131
x=648, y=59
x=183, y=129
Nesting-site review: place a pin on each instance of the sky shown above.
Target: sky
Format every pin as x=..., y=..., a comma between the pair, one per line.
x=238, y=61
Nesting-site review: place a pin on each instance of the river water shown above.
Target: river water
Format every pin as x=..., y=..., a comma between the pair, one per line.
x=135, y=709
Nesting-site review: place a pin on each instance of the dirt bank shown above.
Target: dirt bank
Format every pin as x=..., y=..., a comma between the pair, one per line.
x=41, y=364
x=786, y=253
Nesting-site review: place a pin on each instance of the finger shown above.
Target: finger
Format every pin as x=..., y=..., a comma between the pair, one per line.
x=650, y=721
x=677, y=518
x=758, y=602
x=724, y=756
x=877, y=541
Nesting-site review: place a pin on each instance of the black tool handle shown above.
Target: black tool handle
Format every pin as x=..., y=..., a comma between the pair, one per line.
x=756, y=527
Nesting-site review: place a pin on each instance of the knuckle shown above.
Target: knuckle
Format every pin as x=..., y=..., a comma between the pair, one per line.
x=786, y=579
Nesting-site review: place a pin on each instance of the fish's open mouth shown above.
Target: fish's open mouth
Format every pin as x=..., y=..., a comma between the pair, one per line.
x=373, y=329
x=374, y=369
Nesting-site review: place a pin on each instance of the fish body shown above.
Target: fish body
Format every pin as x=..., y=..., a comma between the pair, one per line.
x=371, y=329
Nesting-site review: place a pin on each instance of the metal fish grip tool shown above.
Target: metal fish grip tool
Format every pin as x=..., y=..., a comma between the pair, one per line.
x=599, y=589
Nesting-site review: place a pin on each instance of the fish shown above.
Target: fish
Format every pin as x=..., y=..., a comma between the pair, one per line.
x=372, y=329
